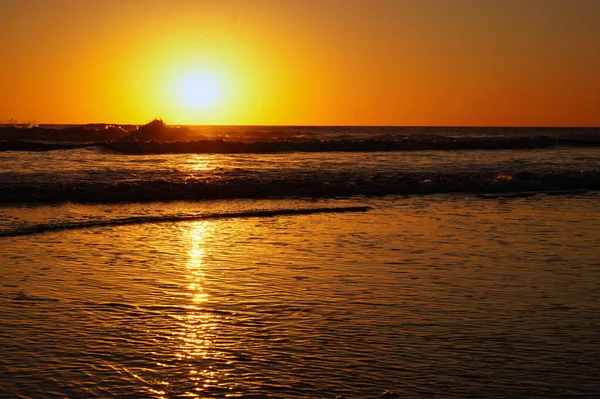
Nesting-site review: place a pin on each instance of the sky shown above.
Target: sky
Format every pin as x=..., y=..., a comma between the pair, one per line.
x=310, y=62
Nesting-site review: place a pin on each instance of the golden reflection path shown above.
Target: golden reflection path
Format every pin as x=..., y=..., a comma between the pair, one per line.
x=198, y=163
x=198, y=326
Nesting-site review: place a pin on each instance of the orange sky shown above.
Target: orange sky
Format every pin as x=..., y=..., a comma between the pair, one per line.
x=311, y=62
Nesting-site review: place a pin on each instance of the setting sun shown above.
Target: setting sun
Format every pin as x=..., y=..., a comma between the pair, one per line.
x=199, y=91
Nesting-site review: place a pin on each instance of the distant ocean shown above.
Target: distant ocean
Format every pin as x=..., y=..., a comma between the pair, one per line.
x=75, y=165
x=275, y=262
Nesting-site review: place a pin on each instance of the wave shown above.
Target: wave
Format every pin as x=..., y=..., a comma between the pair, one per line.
x=25, y=145
x=316, y=185
x=427, y=143
x=51, y=227
x=348, y=145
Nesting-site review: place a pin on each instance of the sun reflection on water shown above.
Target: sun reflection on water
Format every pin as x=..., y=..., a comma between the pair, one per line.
x=198, y=163
x=197, y=238
x=198, y=325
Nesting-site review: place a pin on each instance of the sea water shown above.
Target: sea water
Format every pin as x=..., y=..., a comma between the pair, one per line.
x=256, y=279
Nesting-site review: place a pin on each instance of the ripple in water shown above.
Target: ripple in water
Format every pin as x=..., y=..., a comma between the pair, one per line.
x=434, y=296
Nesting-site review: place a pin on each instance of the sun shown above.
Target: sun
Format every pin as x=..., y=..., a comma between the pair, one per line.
x=199, y=91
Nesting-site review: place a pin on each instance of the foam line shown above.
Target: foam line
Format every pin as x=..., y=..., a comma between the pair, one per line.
x=46, y=228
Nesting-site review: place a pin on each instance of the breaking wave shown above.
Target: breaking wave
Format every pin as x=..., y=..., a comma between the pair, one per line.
x=324, y=145
x=315, y=185
x=367, y=145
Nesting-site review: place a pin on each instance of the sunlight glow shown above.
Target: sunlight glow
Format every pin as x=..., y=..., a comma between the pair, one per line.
x=199, y=91
x=301, y=63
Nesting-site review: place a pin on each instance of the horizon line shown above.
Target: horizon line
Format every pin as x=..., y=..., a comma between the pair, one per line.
x=35, y=123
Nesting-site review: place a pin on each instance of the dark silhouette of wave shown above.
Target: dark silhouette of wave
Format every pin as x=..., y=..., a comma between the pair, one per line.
x=366, y=145
x=44, y=228
x=344, y=145
x=24, y=145
x=158, y=138
x=315, y=185
x=156, y=130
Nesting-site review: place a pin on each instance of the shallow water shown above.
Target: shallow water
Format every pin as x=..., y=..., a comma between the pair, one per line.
x=443, y=296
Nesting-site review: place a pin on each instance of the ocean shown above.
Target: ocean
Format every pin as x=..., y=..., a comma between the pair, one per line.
x=305, y=262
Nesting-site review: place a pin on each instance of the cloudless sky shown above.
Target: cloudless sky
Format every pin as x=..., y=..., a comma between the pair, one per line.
x=311, y=62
